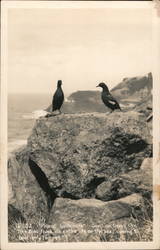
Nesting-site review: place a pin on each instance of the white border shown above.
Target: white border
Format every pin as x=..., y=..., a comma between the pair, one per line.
x=76, y=4
x=156, y=122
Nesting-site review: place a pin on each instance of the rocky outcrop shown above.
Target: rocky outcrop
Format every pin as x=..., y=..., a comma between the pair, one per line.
x=71, y=160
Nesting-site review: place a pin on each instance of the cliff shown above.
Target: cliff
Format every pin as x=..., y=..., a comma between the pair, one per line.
x=134, y=87
x=78, y=166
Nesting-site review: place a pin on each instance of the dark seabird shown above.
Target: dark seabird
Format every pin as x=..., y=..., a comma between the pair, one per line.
x=107, y=98
x=58, y=97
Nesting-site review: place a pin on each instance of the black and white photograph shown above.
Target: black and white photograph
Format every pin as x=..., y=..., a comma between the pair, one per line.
x=78, y=135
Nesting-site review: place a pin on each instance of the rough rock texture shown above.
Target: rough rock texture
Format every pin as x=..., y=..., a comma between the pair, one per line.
x=136, y=181
x=87, y=218
x=71, y=155
x=76, y=152
x=93, y=211
x=25, y=193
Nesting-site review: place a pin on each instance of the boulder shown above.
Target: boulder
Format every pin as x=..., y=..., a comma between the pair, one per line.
x=76, y=152
x=139, y=181
x=70, y=155
x=88, y=219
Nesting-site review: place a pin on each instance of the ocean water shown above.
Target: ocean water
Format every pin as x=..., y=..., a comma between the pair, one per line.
x=23, y=110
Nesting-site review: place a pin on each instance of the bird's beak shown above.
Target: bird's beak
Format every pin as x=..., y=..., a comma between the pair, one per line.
x=97, y=86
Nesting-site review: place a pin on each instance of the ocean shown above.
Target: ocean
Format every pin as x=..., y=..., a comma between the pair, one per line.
x=23, y=110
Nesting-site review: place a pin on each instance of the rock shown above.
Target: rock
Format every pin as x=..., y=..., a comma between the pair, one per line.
x=25, y=193
x=143, y=177
x=84, y=218
x=147, y=165
x=115, y=188
x=73, y=154
x=145, y=106
x=136, y=181
x=146, y=173
x=75, y=151
x=10, y=193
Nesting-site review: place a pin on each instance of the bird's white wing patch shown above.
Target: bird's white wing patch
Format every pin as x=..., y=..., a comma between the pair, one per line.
x=111, y=102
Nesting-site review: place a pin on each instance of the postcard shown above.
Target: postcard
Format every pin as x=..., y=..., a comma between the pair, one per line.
x=80, y=125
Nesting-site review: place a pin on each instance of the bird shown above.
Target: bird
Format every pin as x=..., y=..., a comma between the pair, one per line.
x=107, y=98
x=58, y=97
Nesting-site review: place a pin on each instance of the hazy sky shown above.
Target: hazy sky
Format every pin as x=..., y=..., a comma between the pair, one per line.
x=82, y=47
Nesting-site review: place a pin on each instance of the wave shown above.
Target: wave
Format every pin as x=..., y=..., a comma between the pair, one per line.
x=35, y=114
